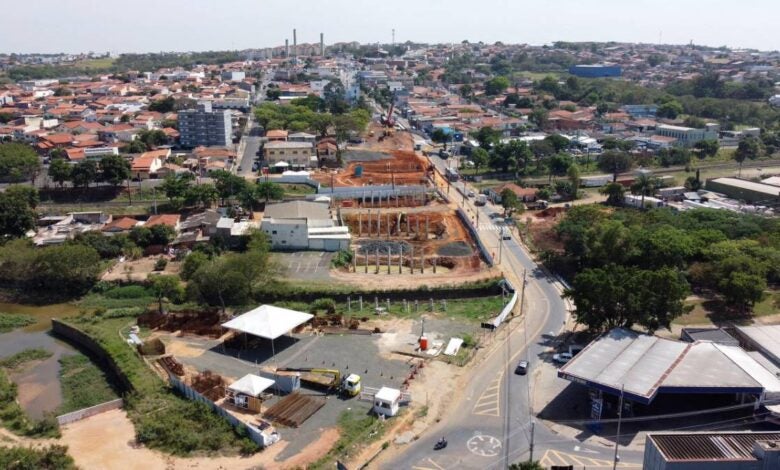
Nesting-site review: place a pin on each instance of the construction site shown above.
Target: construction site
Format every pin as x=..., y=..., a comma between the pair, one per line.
x=298, y=384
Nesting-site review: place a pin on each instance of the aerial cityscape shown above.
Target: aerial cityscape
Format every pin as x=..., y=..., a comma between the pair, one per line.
x=382, y=247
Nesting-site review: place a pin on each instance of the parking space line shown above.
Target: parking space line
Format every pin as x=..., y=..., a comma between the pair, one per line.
x=488, y=403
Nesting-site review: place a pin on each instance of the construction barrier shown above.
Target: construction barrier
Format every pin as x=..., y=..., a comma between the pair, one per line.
x=260, y=438
x=474, y=235
x=494, y=323
x=84, y=413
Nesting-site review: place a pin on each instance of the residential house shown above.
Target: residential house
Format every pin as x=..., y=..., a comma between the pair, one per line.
x=289, y=154
x=145, y=166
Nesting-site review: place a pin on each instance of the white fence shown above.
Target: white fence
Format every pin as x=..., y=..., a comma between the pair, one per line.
x=84, y=413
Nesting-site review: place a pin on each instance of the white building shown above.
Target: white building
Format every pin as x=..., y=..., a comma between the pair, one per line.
x=303, y=225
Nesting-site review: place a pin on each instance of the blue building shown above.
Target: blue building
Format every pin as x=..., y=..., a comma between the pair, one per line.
x=596, y=71
x=641, y=110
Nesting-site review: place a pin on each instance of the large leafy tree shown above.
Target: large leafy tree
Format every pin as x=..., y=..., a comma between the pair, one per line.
x=175, y=186
x=615, y=162
x=60, y=171
x=84, y=173
x=228, y=184
x=201, y=195
x=166, y=287
x=18, y=162
x=17, y=216
x=620, y=296
x=114, y=169
x=749, y=148
x=269, y=191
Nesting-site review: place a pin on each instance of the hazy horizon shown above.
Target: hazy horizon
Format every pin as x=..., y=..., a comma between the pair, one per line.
x=199, y=25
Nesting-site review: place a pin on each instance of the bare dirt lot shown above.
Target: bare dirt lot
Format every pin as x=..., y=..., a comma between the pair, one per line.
x=107, y=441
x=140, y=269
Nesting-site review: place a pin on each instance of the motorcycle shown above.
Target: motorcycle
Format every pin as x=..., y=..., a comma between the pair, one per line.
x=441, y=444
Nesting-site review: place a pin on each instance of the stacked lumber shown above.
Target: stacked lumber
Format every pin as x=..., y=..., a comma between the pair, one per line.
x=294, y=409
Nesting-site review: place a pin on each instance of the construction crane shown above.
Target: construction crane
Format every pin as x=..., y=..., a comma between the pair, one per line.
x=389, y=120
x=329, y=379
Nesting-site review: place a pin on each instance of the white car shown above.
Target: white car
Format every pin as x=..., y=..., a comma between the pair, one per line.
x=562, y=358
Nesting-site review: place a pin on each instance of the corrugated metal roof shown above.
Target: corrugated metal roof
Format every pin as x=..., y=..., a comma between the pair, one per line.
x=709, y=446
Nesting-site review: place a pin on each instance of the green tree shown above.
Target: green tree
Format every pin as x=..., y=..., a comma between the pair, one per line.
x=509, y=201
x=175, y=186
x=54, y=457
x=670, y=109
x=615, y=162
x=17, y=217
x=28, y=194
x=692, y=183
x=165, y=105
x=619, y=296
x=269, y=191
x=228, y=184
x=60, y=171
x=192, y=263
x=134, y=146
x=18, y=162
x=615, y=193
x=749, y=148
x=114, y=169
x=707, y=148
x=496, y=85
x=479, y=157
x=558, y=142
x=440, y=137
x=645, y=185
x=487, y=137
x=84, y=173
x=166, y=287
x=201, y=195
x=574, y=176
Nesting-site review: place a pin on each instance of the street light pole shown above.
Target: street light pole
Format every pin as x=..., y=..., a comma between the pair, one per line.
x=531, y=455
x=617, y=437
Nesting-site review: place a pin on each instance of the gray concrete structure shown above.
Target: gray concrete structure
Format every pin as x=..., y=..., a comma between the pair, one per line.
x=712, y=451
x=204, y=126
x=303, y=225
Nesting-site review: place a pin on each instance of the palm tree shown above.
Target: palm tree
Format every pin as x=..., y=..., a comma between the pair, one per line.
x=644, y=184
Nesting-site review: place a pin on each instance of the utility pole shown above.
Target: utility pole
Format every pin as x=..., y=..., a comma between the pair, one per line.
x=500, y=245
x=617, y=437
x=531, y=455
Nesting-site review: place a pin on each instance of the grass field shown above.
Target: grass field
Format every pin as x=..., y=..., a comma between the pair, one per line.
x=11, y=321
x=356, y=429
x=706, y=312
x=474, y=309
x=21, y=358
x=83, y=384
x=96, y=64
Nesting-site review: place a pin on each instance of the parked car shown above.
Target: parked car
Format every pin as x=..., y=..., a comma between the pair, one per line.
x=562, y=358
x=471, y=193
x=522, y=368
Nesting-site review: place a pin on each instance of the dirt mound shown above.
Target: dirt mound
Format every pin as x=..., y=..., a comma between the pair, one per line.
x=459, y=248
x=370, y=247
x=205, y=323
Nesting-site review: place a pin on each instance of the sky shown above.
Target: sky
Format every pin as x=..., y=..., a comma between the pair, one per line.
x=196, y=25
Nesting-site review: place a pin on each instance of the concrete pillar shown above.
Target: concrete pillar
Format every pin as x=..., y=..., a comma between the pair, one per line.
x=434, y=265
x=389, y=263
x=427, y=227
x=369, y=222
x=377, y=260
x=422, y=262
x=400, y=259
x=360, y=300
x=411, y=261
x=360, y=223
x=366, y=255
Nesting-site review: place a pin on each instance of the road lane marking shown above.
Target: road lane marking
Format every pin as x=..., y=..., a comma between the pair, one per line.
x=488, y=403
x=429, y=461
x=555, y=457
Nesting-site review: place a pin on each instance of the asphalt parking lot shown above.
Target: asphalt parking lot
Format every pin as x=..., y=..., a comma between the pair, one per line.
x=305, y=265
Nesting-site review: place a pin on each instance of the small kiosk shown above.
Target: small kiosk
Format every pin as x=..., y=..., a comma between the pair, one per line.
x=386, y=401
x=245, y=392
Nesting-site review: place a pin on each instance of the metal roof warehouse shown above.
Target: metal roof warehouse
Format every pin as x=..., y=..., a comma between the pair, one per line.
x=642, y=366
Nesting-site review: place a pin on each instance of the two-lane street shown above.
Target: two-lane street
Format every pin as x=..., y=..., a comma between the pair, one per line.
x=490, y=422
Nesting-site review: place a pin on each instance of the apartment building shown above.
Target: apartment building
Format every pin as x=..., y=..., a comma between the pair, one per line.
x=282, y=154
x=204, y=126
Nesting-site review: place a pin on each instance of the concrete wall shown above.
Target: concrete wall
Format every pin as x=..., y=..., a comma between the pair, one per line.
x=288, y=236
x=84, y=413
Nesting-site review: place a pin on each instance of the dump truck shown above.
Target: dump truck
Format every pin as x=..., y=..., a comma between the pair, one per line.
x=328, y=379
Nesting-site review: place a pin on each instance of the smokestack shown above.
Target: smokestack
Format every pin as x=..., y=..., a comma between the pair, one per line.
x=286, y=48
x=322, y=45
x=295, y=46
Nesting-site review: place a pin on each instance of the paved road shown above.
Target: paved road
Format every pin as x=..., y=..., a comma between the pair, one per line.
x=490, y=422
